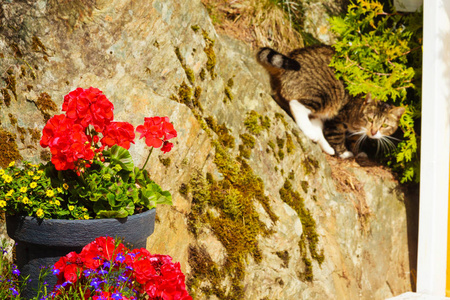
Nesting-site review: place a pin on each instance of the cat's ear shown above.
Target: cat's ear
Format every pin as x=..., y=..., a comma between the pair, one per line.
x=368, y=98
x=398, y=111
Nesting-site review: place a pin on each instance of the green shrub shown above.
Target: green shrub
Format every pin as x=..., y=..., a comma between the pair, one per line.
x=379, y=52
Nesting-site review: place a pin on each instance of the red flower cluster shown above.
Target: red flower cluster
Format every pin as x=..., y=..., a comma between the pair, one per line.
x=88, y=107
x=118, y=133
x=73, y=138
x=67, y=141
x=157, y=131
x=154, y=276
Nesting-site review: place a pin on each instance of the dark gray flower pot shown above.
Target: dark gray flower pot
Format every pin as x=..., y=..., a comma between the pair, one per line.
x=42, y=242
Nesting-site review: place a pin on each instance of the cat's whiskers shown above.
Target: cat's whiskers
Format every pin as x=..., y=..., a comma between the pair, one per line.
x=392, y=138
x=385, y=144
x=360, y=141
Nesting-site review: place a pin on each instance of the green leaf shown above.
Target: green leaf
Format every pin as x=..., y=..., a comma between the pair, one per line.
x=121, y=213
x=122, y=157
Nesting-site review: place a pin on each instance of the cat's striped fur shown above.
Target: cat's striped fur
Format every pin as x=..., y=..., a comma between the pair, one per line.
x=306, y=87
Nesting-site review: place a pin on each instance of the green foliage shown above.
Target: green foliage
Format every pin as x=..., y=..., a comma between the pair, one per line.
x=10, y=284
x=379, y=52
x=114, y=188
x=28, y=191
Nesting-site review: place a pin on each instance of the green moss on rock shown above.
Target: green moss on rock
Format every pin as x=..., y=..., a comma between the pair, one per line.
x=227, y=207
x=195, y=28
x=210, y=55
x=12, y=119
x=248, y=140
x=11, y=83
x=255, y=123
x=284, y=256
x=225, y=138
x=290, y=147
x=165, y=161
x=188, y=71
x=8, y=148
x=280, y=117
x=294, y=200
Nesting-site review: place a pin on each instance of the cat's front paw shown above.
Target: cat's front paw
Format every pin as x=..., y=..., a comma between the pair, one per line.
x=346, y=154
x=312, y=134
x=326, y=147
x=362, y=155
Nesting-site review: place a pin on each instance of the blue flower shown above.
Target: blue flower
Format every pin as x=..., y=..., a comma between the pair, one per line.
x=14, y=291
x=107, y=264
x=103, y=272
x=87, y=273
x=56, y=271
x=15, y=271
x=117, y=296
x=122, y=278
x=95, y=283
x=66, y=283
x=120, y=258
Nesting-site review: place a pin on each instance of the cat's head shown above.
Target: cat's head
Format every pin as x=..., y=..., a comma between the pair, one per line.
x=381, y=119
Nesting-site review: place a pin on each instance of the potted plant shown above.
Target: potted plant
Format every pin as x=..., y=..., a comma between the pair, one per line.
x=104, y=269
x=90, y=188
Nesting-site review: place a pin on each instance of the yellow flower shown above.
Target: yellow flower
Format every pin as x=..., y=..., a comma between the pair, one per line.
x=59, y=190
x=40, y=171
x=8, y=178
x=2, y=171
x=84, y=209
x=31, y=173
x=51, y=202
x=11, y=164
x=36, y=177
x=86, y=217
x=33, y=185
x=71, y=207
x=40, y=213
x=9, y=194
x=23, y=189
x=2, y=203
x=57, y=203
x=65, y=186
x=50, y=193
x=25, y=200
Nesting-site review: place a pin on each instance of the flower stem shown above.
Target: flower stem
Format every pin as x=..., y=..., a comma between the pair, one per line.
x=146, y=161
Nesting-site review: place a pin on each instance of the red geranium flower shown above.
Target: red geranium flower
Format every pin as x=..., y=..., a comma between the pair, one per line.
x=156, y=130
x=89, y=107
x=67, y=141
x=71, y=273
x=167, y=146
x=118, y=133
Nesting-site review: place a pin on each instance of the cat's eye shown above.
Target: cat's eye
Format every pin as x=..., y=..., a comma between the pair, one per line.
x=384, y=125
x=369, y=119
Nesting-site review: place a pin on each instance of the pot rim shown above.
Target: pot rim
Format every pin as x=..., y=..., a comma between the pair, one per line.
x=66, y=233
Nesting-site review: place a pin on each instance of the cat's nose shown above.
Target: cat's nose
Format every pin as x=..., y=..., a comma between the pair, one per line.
x=373, y=132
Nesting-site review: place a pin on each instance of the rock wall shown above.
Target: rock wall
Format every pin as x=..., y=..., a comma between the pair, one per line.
x=259, y=211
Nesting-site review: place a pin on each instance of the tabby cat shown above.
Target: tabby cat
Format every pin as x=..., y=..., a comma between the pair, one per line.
x=305, y=86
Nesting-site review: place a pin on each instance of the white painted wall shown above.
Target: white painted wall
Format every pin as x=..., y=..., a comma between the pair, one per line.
x=432, y=251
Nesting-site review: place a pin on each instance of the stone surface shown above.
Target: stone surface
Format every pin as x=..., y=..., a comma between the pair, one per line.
x=127, y=49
